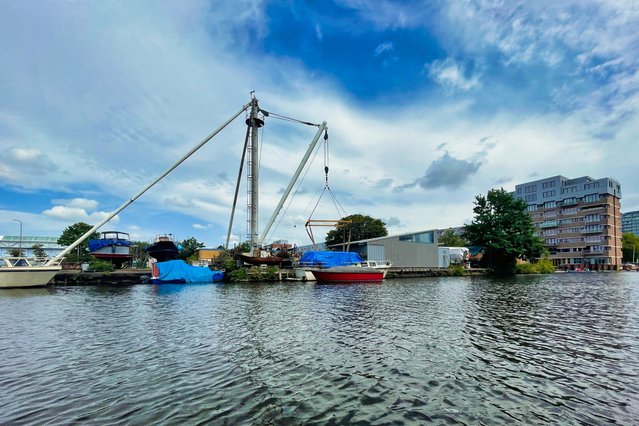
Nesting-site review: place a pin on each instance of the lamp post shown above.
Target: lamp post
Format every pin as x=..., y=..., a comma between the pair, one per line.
x=20, y=242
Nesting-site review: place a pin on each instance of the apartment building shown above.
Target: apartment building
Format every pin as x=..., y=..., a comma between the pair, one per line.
x=630, y=222
x=579, y=219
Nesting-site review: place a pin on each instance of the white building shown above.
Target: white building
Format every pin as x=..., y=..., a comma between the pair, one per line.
x=415, y=249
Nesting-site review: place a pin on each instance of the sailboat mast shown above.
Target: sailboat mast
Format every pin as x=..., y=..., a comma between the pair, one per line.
x=254, y=122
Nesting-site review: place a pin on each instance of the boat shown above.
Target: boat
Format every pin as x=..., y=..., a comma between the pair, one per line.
x=313, y=261
x=179, y=272
x=163, y=248
x=20, y=272
x=261, y=260
x=113, y=246
x=348, y=274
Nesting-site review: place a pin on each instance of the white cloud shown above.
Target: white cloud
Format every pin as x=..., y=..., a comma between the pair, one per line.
x=72, y=214
x=81, y=203
x=386, y=46
x=451, y=74
x=25, y=154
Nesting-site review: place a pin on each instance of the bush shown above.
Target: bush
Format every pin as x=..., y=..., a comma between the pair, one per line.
x=544, y=266
x=101, y=266
x=526, y=268
x=456, y=270
x=237, y=275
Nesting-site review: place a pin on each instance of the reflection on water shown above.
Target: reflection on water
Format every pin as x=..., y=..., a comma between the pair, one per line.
x=547, y=349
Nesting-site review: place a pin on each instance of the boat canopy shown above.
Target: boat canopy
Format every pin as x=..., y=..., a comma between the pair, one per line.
x=174, y=270
x=328, y=259
x=95, y=245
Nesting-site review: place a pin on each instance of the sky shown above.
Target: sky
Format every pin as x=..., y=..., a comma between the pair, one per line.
x=428, y=104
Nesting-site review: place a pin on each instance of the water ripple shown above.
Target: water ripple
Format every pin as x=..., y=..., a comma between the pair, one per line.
x=545, y=350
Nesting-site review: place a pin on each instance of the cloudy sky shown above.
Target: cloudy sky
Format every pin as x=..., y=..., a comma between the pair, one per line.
x=428, y=105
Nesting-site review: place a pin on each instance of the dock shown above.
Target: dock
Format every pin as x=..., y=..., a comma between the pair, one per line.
x=141, y=276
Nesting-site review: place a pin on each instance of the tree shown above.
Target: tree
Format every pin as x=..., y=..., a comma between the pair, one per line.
x=450, y=239
x=504, y=228
x=630, y=246
x=15, y=252
x=361, y=228
x=38, y=251
x=190, y=249
x=71, y=234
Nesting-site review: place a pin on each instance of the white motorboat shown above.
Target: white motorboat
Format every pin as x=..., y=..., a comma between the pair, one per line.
x=16, y=272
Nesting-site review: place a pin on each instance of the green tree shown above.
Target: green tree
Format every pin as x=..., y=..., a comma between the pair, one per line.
x=361, y=228
x=71, y=234
x=38, y=251
x=450, y=239
x=630, y=246
x=15, y=252
x=504, y=228
x=190, y=249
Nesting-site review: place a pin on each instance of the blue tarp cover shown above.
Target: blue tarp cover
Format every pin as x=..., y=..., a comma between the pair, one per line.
x=327, y=259
x=176, y=270
x=95, y=245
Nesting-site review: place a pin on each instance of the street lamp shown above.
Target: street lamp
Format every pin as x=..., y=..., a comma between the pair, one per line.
x=20, y=242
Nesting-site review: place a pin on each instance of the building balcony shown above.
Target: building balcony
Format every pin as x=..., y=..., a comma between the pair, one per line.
x=548, y=224
x=593, y=231
x=578, y=244
x=566, y=255
x=596, y=253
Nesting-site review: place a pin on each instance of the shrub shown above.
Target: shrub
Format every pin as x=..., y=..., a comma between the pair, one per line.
x=237, y=275
x=101, y=266
x=456, y=270
x=544, y=266
x=526, y=268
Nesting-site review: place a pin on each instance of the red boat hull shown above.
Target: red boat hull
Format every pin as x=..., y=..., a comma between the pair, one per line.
x=327, y=275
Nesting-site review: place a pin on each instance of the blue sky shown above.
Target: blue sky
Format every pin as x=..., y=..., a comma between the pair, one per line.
x=428, y=105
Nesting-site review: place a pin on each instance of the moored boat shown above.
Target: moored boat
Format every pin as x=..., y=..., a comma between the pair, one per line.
x=348, y=274
x=313, y=261
x=20, y=272
x=114, y=246
x=163, y=248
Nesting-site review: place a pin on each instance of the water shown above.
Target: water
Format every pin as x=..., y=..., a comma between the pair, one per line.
x=558, y=349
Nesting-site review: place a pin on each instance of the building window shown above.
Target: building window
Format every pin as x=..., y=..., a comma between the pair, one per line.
x=531, y=207
x=531, y=197
x=423, y=237
x=549, y=193
x=591, y=198
x=530, y=188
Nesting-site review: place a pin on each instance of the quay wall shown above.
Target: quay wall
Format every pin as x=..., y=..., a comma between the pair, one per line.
x=141, y=276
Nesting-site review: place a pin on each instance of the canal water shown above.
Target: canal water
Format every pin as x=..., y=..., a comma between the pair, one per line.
x=555, y=349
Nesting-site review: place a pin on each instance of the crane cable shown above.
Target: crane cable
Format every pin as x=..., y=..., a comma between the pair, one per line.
x=326, y=185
